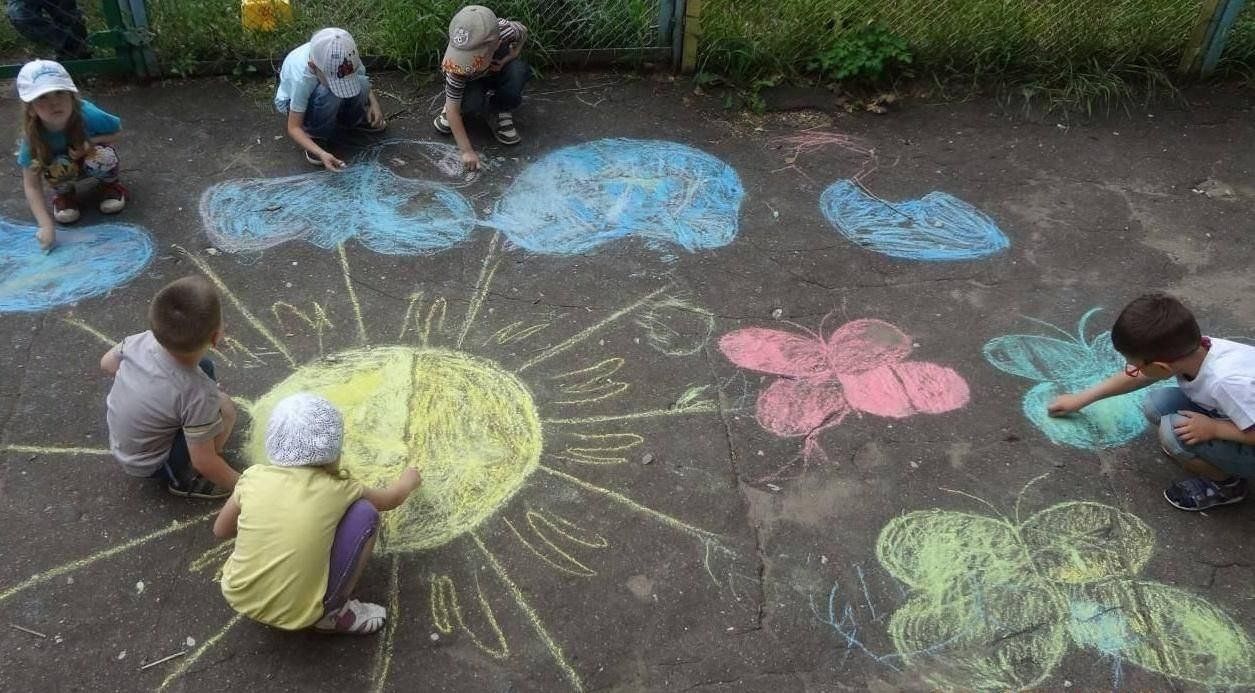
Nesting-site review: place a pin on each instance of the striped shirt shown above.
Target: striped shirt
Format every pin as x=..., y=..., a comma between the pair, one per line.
x=511, y=32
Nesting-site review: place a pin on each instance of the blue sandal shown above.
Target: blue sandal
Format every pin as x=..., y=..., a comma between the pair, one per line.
x=1197, y=493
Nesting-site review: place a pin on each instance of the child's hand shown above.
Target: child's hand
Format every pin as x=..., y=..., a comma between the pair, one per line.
x=410, y=477
x=1064, y=405
x=1196, y=428
x=330, y=162
x=47, y=237
x=374, y=115
x=470, y=160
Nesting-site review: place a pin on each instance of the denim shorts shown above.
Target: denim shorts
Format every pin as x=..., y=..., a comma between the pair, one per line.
x=1161, y=406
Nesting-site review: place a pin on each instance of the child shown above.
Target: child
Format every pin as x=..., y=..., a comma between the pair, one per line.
x=168, y=419
x=57, y=24
x=323, y=89
x=1207, y=422
x=304, y=529
x=64, y=139
x=482, y=73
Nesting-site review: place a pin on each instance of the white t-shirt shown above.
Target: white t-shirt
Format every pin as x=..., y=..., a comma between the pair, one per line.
x=1226, y=382
x=297, y=81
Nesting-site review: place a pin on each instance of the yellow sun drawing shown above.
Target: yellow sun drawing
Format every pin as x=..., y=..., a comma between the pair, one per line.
x=476, y=432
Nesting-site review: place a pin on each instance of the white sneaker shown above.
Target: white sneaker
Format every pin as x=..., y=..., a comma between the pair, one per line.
x=355, y=618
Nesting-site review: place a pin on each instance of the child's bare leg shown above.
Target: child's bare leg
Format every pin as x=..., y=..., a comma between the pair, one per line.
x=229, y=416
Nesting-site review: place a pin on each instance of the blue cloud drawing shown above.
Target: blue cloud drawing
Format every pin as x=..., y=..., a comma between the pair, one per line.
x=85, y=263
x=387, y=213
x=577, y=198
x=935, y=227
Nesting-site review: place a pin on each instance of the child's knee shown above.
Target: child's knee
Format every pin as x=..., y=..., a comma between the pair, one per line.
x=102, y=162
x=1169, y=441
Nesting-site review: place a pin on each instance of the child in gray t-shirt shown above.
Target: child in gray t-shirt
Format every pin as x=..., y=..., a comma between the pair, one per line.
x=167, y=417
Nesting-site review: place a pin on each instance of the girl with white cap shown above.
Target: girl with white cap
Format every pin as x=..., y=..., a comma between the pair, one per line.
x=303, y=528
x=65, y=138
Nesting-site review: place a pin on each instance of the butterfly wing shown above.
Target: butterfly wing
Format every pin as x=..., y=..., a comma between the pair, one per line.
x=902, y=389
x=774, y=351
x=797, y=407
x=862, y=345
x=1044, y=359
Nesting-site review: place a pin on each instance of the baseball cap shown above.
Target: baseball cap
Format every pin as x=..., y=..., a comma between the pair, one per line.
x=304, y=430
x=38, y=77
x=472, y=37
x=335, y=53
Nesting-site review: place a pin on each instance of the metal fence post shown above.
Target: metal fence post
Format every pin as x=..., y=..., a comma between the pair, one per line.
x=1207, y=43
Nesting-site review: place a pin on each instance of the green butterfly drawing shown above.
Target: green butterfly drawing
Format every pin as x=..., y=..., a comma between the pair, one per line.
x=994, y=602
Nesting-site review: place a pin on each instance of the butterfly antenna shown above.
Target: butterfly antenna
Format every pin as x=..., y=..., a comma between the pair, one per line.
x=1056, y=328
x=1020, y=496
x=1080, y=326
x=978, y=499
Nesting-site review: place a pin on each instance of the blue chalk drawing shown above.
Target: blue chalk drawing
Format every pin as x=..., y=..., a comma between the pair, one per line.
x=85, y=263
x=1071, y=365
x=578, y=198
x=935, y=227
x=387, y=213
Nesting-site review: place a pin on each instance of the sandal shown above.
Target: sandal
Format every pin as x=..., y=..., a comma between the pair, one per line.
x=504, y=130
x=1197, y=493
x=354, y=618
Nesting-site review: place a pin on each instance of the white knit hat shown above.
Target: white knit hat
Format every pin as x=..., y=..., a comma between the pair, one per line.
x=304, y=430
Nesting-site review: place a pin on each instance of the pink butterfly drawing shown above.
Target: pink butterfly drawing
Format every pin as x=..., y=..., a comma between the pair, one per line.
x=860, y=368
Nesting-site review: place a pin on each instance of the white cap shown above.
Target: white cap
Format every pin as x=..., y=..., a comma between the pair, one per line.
x=335, y=53
x=38, y=77
x=304, y=430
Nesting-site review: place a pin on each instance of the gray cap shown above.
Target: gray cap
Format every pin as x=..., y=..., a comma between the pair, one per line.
x=473, y=36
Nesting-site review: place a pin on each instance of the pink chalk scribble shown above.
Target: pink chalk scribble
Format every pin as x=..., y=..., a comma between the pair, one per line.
x=860, y=368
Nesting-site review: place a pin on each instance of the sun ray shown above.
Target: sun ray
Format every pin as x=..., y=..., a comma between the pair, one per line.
x=319, y=322
x=554, y=649
x=215, y=555
x=80, y=563
x=239, y=305
x=446, y=612
x=237, y=347
x=383, y=655
x=699, y=408
x=200, y=651
x=110, y=342
x=623, y=500
x=514, y=332
x=486, y=272
x=410, y=314
x=595, y=455
x=53, y=450
x=348, y=284
x=593, y=382
x=435, y=314
x=570, y=566
x=589, y=331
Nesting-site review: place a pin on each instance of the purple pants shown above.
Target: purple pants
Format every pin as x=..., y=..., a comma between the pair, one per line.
x=356, y=528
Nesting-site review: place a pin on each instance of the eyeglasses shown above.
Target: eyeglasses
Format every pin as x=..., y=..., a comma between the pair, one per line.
x=1134, y=371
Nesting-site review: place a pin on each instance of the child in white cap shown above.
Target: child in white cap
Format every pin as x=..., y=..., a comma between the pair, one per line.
x=324, y=90
x=65, y=138
x=483, y=76
x=303, y=528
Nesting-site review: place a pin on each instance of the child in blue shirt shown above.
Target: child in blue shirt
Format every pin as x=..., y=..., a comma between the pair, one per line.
x=64, y=139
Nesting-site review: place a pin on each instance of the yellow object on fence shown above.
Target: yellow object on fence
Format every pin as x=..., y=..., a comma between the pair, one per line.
x=264, y=15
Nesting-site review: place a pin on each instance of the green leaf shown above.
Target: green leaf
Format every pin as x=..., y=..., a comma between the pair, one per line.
x=992, y=637
x=1082, y=542
x=936, y=551
x=1163, y=629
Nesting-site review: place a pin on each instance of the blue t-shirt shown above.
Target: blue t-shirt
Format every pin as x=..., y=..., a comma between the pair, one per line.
x=95, y=121
x=297, y=81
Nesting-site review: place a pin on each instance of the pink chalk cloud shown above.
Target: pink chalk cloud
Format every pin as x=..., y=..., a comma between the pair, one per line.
x=860, y=368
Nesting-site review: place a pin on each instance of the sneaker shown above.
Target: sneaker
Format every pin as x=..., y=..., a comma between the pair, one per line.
x=354, y=618
x=441, y=124
x=198, y=487
x=503, y=128
x=65, y=208
x=1198, y=493
x=112, y=197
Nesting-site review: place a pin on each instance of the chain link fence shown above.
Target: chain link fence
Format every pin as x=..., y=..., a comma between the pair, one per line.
x=761, y=37
x=411, y=33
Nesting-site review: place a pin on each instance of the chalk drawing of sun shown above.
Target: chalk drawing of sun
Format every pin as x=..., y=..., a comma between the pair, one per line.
x=479, y=434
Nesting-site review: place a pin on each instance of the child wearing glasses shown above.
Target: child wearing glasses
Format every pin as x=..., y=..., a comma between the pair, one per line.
x=1206, y=422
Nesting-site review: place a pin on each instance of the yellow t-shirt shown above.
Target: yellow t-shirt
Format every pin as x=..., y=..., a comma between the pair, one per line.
x=277, y=573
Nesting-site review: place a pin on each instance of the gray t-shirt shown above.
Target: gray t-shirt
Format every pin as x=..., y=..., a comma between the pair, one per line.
x=152, y=398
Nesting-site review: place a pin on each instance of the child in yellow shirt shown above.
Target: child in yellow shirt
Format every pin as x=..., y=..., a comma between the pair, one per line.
x=304, y=529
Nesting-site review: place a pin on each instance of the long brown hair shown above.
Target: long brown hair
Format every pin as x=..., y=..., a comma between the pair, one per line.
x=33, y=130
